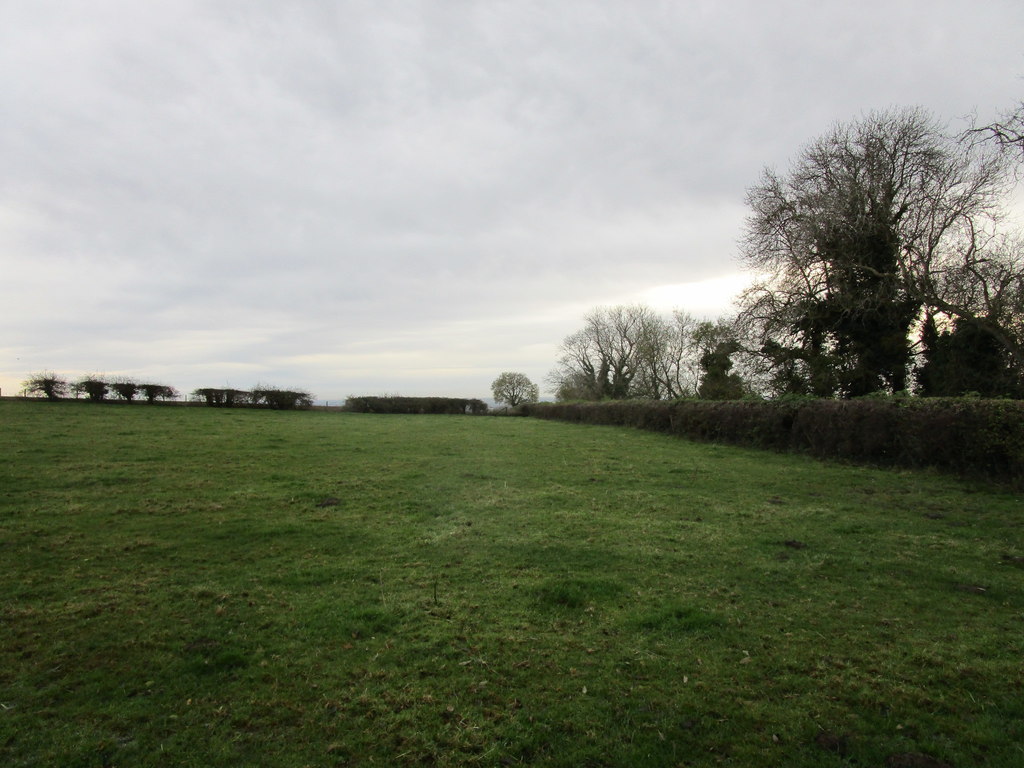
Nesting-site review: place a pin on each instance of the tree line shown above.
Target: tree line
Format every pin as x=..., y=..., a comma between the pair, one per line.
x=54, y=387
x=628, y=352
x=884, y=264
x=512, y=388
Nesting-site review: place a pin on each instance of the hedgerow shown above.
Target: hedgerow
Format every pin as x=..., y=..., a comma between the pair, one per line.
x=434, y=405
x=970, y=437
x=261, y=396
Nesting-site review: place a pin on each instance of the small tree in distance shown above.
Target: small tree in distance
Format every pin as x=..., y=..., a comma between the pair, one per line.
x=93, y=387
x=514, y=389
x=50, y=385
x=126, y=389
x=153, y=391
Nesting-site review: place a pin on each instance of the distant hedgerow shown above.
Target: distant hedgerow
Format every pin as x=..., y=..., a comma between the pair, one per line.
x=433, y=405
x=154, y=392
x=225, y=398
x=280, y=399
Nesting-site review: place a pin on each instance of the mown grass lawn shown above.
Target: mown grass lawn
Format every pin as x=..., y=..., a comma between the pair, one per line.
x=201, y=587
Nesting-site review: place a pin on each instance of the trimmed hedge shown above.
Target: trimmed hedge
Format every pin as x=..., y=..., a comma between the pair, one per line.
x=223, y=398
x=970, y=437
x=260, y=397
x=433, y=405
x=281, y=399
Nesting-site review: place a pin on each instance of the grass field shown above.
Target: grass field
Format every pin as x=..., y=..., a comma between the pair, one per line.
x=202, y=587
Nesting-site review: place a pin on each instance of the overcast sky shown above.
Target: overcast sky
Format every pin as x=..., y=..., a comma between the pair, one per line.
x=412, y=197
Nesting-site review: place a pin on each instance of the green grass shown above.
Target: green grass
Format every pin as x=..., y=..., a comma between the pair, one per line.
x=202, y=587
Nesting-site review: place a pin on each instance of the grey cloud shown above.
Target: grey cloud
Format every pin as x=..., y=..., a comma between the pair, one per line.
x=273, y=188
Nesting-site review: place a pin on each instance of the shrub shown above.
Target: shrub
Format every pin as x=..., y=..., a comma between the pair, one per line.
x=280, y=399
x=92, y=387
x=126, y=389
x=225, y=398
x=48, y=384
x=153, y=392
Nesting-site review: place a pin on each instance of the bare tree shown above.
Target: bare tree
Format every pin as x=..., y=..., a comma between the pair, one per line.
x=1008, y=132
x=629, y=351
x=982, y=285
x=48, y=384
x=603, y=358
x=850, y=244
x=668, y=359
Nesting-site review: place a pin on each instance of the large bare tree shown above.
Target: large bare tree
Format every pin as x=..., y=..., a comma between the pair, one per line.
x=629, y=351
x=601, y=360
x=870, y=229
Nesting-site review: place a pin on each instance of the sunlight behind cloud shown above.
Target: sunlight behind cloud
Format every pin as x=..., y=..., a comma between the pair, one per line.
x=710, y=298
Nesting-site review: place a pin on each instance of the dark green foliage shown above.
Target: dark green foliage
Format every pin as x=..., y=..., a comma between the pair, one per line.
x=867, y=311
x=411, y=405
x=965, y=359
x=876, y=224
x=805, y=370
x=718, y=383
x=971, y=437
